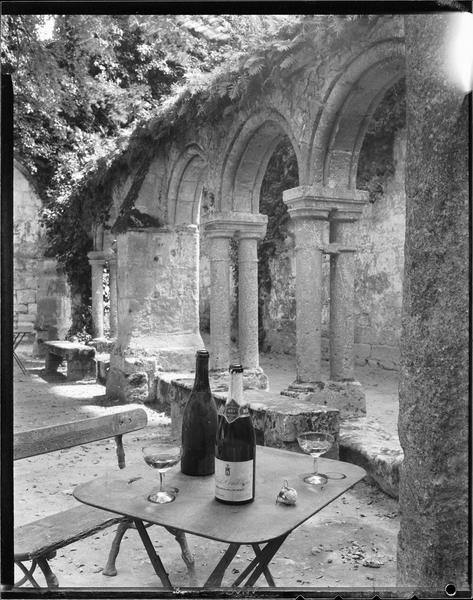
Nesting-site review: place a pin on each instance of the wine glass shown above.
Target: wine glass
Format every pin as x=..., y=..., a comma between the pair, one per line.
x=162, y=457
x=315, y=443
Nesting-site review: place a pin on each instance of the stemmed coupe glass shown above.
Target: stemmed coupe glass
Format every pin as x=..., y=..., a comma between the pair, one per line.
x=315, y=443
x=162, y=457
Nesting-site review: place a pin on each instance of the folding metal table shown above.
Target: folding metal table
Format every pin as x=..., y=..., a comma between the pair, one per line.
x=263, y=524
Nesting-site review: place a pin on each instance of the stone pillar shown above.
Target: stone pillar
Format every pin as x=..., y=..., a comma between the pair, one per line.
x=247, y=228
x=309, y=226
x=219, y=299
x=112, y=269
x=434, y=404
x=311, y=207
x=248, y=235
x=97, y=262
x=342, y=296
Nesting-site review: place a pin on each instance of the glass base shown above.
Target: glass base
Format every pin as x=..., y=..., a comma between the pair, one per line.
x=162, y=497
x=316, y=479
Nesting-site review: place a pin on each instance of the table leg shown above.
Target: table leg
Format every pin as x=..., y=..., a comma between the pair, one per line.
x=20, y=363
x=154, y=558
x=259, y=565
x=28, y=574
x=215, y=578
x=266, y=571
x=186, y=553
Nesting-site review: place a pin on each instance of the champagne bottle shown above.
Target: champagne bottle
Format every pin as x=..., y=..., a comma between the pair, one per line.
x=235, y=446
x=199, y=423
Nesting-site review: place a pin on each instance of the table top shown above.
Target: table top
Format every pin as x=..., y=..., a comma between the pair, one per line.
x=196, y=511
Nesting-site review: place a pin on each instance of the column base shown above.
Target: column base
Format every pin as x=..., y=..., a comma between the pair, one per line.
x=346, y=396
x=253, y=379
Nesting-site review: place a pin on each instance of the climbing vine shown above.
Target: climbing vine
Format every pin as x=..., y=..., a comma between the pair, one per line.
x=116, y=87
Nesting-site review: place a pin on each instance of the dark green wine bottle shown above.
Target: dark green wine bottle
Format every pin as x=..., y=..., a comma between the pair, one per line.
x=235, y=446
x=199, y=423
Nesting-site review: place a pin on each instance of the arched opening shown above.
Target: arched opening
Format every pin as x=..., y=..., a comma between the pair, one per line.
x=185, y=188
x=381, y=233
x=276, y=267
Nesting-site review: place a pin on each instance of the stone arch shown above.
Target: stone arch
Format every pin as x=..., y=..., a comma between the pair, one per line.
x=247, y=158
x=349, y=104
x=185, y=186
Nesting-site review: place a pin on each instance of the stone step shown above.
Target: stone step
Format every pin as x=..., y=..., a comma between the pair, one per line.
x=277, y=419
x=367, y=444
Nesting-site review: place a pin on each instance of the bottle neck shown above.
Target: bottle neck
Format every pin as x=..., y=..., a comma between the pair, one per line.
x=201, y=381
x=235, y=389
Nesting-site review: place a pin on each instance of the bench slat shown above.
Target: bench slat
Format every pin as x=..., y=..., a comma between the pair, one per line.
x=67, y=435
x=60, y=529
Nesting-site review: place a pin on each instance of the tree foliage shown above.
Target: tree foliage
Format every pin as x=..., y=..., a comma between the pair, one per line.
x=94, y=98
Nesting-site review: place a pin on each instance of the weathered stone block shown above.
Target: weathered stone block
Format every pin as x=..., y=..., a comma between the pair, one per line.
x=277, y=419
x=346, y=396
x=365, y=443
x=32, y=308
x=21, y=308
x=26, y=296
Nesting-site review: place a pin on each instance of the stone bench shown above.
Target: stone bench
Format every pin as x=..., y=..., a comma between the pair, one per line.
x=277, y=419
x=80, y=359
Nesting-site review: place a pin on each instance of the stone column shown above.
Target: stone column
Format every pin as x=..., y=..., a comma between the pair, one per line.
x=97, y=262
x=309, y=225
x=434, y=543
x=112, y=269
x=342, y=296
x=248, y=235
x=220, y=299
x=311, y=207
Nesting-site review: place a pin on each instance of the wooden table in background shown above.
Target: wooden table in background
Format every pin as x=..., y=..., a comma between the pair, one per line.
x=18, y=336
x=262, y=524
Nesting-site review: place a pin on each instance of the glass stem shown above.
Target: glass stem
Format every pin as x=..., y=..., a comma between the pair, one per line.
x=161, y=481
x=315, y=465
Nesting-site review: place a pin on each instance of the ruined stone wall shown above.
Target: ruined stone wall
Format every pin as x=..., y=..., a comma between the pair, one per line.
x=379, y=269
x=41, y=294
x=28, y=248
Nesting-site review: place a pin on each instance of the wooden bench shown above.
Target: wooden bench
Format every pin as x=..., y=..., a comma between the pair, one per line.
x=38, y=541
x=79, y=357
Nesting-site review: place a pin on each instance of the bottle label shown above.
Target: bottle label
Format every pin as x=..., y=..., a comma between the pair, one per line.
x=232, y=411
x=234, y=480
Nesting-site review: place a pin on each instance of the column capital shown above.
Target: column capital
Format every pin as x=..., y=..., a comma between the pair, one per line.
x=325, y=203
x=229, y=224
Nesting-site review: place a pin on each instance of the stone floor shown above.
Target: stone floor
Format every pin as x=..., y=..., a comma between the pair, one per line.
x=351, y=545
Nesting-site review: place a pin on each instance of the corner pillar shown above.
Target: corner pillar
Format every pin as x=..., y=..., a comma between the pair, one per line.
x=158, y=318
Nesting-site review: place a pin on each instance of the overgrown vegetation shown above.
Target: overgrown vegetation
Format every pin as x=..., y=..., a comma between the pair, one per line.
x=94, y=99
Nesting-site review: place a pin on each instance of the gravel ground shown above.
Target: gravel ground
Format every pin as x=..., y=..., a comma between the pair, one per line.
x=350, y=545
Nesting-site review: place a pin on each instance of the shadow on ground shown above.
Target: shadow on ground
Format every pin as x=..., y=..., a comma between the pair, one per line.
x=350, y=545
